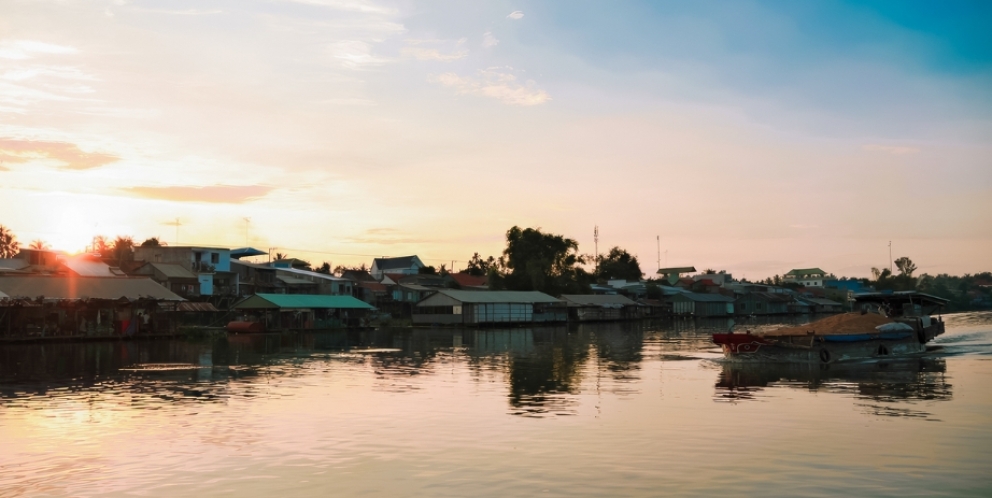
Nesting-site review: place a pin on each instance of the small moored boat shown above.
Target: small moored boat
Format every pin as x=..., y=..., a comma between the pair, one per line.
x=884, y=324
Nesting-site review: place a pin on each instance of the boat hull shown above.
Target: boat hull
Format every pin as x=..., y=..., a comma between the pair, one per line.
x=756, y=348
x=827, y=348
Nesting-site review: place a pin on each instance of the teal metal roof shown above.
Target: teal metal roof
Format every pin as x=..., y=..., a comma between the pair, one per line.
x=490, y=296
x=302, y=301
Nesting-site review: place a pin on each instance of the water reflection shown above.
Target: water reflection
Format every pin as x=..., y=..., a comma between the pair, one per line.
x=544, y=370
x=888, y=387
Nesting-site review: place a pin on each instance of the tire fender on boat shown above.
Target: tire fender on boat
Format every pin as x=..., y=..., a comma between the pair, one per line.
x=825, y=356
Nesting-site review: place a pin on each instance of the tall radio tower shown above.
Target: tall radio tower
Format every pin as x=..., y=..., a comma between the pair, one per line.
x=595, y=238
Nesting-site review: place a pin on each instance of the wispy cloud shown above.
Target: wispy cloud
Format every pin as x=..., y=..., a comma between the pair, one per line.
x=384, y=236
x=495, y=84
x=515, y=15
x=68, y=154
x=349, y=6
x=890, y=149
x=356, y=102
x=488, y=40
x=25, y=49
x=430, y=54
x=227, y=194
x=184, y=12
x=355, y=54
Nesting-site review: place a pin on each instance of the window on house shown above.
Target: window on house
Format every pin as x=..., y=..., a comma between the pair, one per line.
x=214, y=258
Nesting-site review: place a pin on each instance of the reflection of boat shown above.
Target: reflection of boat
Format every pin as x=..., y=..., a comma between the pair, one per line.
x=888, y=324
x=918, y=378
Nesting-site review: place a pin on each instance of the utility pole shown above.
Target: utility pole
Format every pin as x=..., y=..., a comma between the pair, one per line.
x=890, y=256
x=177, y=224
x=595, y=238
x=658, y=237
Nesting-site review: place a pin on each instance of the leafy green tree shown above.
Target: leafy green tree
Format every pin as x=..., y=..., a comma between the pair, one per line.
x=905, y=266
x=540, y=261
x=9, y=246
x=885, y=280
x=617, y=264
x=427, y=270
x=152, y=242
x=325, y=268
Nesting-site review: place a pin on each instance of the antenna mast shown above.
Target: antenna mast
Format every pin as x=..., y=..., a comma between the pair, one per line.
x=658, y=237
x=595, y=238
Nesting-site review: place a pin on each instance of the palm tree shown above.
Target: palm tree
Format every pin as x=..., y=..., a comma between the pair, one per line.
x=121, y=249
x=8, y=243
x=152, y=242
x=39, y=245
x=100, y=245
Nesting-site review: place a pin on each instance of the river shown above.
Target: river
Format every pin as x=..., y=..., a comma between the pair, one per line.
x=630, y=409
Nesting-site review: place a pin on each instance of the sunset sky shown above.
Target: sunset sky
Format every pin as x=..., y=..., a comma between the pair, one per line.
x=754, y=137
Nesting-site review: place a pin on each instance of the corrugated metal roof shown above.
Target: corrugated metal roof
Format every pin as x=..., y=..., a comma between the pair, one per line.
x=677, y=269
x=486, y=296
x=395, y=263
x=286, y=279
x=191, y=306
x=259, y=266
x=301, y=301
x=801, y=272
x=373, y=286
x=598, y=299
x=825, y=302
x=132, y=288
x=466, y=280
x=172, y=271
x=245, y=252
x=88, y=268
x=716, y=298
x=312, y=274
x=9, y=264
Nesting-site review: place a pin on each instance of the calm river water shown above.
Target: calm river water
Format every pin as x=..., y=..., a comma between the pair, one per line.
x=634, y=409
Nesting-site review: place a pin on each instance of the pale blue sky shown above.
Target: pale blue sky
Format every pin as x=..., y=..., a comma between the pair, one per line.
x=751, y=136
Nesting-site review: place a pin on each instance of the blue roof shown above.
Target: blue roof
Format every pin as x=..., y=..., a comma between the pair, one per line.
x=245, y=252
x=302, y=301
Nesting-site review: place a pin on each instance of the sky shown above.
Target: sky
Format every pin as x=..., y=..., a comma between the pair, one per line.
x=752, y=137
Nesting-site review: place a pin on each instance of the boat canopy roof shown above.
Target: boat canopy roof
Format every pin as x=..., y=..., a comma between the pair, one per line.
x=912, y=297
x=894, y=302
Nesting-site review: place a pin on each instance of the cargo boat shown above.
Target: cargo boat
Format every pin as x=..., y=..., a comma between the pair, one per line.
x=884, y=324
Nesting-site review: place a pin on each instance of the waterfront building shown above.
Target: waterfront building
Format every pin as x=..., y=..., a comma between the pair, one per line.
x=72, y=306
x=210, y=265
x=807, y=277
x=672, y=275
x=305, y=311
x=701, y=305
x=407, y=265
x=483, y=307
x=593, y=307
